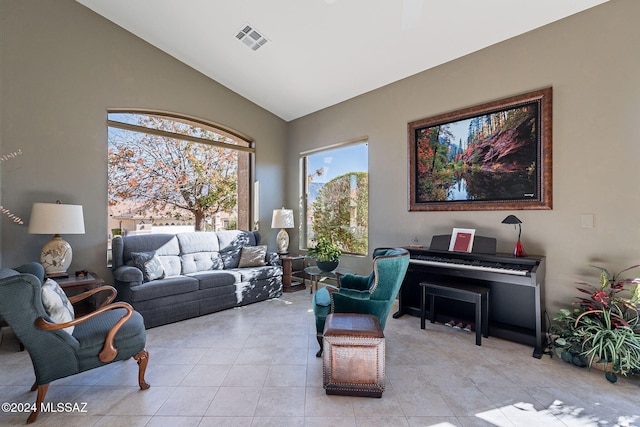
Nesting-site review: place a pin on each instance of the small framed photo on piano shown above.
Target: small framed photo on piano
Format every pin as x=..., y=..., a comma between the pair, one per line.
x=462, y=239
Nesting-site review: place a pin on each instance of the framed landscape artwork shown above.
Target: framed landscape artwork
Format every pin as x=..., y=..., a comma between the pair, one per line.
x=494, y=156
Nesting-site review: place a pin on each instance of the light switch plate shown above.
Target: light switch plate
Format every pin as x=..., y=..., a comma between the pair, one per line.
x=586, y=220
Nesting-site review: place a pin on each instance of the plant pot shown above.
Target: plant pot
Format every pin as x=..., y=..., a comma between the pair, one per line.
x=327, y=266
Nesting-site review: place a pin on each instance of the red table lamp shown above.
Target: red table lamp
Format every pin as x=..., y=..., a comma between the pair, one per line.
x=519, y=249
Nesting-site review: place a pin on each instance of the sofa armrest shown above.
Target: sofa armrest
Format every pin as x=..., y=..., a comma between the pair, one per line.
x=273, y=259
x=128, y=274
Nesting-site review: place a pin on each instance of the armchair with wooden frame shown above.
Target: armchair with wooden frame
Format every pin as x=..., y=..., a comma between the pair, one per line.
x=113, y=332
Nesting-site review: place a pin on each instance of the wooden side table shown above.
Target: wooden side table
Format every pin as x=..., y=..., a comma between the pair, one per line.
x=74, y=285
x=292, y=265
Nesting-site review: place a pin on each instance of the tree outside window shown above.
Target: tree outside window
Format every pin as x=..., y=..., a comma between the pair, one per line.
x=337, y=197
x=169, y=171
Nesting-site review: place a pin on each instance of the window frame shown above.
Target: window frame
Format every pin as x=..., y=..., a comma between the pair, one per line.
x=216, y=127
x=303, y=187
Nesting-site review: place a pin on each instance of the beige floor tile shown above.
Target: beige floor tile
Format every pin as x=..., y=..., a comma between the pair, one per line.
x=234, y=401
x=281, y=402
x=246, y=376
x=188, y=401
x=206, y=375
x=256, y=366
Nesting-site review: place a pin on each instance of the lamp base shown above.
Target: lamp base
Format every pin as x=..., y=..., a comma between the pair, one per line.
x=519, y=249
x=55, y=256
x=282, y=240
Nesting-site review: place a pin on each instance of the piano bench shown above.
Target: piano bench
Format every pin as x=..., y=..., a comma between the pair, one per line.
x=477, y=295
x=353, y=358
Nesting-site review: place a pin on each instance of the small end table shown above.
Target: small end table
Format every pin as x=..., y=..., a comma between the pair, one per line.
x=316, y=275
x=74, y=285
x=292, y=265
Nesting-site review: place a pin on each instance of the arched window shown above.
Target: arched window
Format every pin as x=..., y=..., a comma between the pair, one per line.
x=170, y=169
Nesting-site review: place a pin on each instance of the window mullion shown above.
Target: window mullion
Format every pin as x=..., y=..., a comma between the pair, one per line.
x=158, y=132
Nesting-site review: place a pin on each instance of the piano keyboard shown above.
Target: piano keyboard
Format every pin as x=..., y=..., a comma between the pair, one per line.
x=493, y=267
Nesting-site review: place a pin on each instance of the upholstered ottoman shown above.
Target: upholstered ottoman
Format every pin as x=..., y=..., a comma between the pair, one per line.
x=353, y=359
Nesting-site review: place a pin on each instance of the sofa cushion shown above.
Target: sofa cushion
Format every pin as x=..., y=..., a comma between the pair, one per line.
x=231, y=243
x=149, y=264
x=56, y=304
x=163, y=287
x=201, y=261
x=165, y=246
x=253, y=256
x=172, y=265
x=201, y=241
x=257, y=273
x=199, y=252
x=216, y=278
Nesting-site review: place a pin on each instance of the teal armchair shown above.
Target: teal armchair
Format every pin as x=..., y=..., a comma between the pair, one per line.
x=111, y=333
x=372, y=294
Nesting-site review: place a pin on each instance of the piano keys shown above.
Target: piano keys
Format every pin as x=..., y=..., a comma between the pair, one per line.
x=516, y=302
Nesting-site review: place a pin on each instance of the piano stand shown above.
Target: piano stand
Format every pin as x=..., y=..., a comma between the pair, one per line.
x=477, y=295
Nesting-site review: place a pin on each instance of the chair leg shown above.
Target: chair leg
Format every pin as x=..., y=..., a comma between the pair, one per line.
x=142, y=358
x=319, y=338
x=42, y=392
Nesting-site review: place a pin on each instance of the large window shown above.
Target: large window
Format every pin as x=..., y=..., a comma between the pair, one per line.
x=336, y=196
x=169, y=173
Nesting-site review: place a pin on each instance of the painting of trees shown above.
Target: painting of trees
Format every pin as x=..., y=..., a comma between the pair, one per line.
x=493, y=156
x=163, y=174
x=490, y=157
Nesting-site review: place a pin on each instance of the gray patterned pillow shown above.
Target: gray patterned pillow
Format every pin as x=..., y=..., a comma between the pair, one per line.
x=252, y=256
x=56, y=304
x=149, y=264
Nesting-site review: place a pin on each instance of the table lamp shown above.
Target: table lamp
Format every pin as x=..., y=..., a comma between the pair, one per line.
x=56, y=218
x=519, y=249
x=282, y=218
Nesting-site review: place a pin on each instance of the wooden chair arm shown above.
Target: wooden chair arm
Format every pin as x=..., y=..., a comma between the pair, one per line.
x=112, y=295
x=109, y=351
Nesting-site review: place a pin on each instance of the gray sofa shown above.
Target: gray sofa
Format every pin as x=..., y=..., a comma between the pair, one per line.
x=191, y=274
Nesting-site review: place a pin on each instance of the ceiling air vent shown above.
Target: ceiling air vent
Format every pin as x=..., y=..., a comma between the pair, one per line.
x=250, y=37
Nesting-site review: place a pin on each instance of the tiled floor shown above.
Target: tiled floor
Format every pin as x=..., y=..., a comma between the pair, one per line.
x=256, y=366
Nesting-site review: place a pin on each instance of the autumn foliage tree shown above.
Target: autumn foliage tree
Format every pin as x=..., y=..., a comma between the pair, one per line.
x=162, y=174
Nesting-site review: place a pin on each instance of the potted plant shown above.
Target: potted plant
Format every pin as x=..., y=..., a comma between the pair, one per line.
x=604, y=329
x=326, y=253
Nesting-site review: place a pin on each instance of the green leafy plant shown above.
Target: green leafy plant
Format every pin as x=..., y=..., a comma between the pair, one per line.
x=604, y=328
x=325, y=251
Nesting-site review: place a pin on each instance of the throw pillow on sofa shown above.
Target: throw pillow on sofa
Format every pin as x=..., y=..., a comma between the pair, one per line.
x=253, y=256
x=149, y=264
x=56, y=304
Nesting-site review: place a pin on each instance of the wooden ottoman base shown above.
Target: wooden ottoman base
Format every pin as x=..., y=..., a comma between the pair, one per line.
x=354, y=352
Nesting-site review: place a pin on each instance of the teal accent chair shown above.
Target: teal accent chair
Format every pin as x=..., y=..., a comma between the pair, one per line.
x=113, y=332
x=372, y=294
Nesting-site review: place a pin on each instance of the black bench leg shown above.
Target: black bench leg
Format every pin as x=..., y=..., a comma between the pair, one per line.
x=479, y=324
x=423, y=307
x=432, y=304
x=485, y=315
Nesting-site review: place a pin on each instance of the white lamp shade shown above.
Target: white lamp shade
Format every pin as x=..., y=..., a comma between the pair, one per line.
x=56, y=218
x=282, y=218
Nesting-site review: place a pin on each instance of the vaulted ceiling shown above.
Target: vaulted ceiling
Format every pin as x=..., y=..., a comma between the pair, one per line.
x=312, y=54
